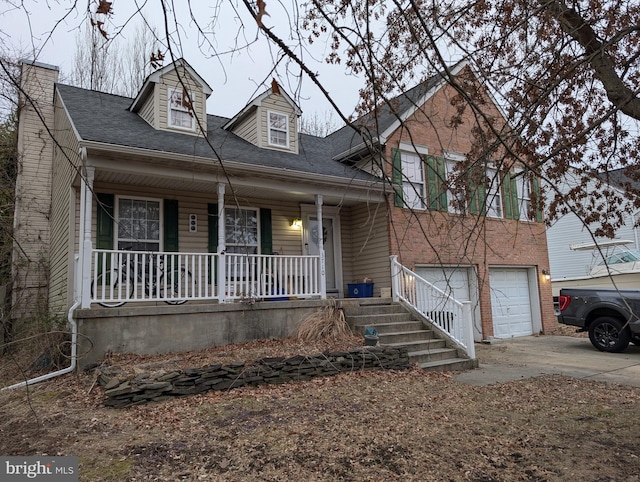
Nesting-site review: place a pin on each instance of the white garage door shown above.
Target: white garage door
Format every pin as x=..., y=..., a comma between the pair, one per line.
x=449, y=280
x=510, y=302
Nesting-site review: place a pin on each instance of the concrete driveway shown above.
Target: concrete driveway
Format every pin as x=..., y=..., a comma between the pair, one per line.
x=531, y=356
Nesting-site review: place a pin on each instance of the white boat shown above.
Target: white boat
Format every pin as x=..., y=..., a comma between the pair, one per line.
x=614, y=266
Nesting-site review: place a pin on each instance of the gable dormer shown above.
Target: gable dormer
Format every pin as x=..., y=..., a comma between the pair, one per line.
x=269, y=121
x=173, y=98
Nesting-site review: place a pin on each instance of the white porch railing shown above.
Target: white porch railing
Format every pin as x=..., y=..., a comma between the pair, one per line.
x=120, y=277
x=450, y=315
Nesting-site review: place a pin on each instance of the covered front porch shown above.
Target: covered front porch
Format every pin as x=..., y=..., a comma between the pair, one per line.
x=170, y=260
x=153, y=235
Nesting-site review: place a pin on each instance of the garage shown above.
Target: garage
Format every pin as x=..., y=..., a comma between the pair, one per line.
x=453, y=281
x=461, y=283
x=510, y=302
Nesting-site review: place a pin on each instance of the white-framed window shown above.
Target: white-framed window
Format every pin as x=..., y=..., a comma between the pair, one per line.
x=493, y=193
x=413, y=180
x=242, y=236
x=457, y=200
x=241, y=230
x=138, y=223
x=278, y=129
x=181, y=109
x=523, y=184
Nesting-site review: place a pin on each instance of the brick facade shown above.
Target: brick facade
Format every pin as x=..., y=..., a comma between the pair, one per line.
x=425, y=237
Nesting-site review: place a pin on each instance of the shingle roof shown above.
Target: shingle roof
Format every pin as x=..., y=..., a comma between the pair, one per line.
x=105, y=118
x=623, y=178
x=345, y=138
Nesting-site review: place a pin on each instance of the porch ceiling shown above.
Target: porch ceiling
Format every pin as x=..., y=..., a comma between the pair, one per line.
x=263, y=187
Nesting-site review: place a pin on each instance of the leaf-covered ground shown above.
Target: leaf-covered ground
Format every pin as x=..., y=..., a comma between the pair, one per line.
x=379, y=426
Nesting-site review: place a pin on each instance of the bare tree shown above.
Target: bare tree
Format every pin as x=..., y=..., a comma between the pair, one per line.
x=97, y=64
x=318, y=126
x=565, y=73
x=118, y=65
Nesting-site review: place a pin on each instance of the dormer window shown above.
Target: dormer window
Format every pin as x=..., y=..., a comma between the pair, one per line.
x=181, y=109
x=278, y=129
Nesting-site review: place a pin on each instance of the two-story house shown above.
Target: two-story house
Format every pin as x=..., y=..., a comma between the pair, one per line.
x=152, y=202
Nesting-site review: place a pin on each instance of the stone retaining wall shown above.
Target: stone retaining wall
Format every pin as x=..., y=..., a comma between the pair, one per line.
x=124, y=392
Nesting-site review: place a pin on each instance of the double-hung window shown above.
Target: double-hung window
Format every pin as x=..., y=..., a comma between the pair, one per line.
x=523, y=184
x=241, y=230
x=413, y=180
x=181, y=110
x=138, y=223
x=493, y=193
x=455, y=192
x=241, y=237
x=278, y=129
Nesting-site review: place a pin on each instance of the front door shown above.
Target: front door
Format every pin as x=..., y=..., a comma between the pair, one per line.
x=331, y=242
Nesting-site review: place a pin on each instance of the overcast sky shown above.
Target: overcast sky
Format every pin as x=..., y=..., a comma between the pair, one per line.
x=47, y=31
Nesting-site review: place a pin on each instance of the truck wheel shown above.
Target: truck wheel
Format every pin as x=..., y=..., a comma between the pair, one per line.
x=607, y=334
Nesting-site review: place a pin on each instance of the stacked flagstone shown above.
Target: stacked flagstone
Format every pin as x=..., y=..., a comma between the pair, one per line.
x=123, y=391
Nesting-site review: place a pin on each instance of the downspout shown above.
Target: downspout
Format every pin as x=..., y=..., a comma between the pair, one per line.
x=77, y=301
x=74, y=350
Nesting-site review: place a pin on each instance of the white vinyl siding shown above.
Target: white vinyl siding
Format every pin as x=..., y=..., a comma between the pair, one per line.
x=171, y=80
x=248, y=129
x=277, y=103
x=569, y=229
x=286, y=240
x=365, y=246
x=63, y=198
x=147, y=111
x=33, y=192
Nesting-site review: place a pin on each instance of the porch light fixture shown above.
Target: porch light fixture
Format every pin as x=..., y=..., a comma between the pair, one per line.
x=547, y=274
x=296, y=223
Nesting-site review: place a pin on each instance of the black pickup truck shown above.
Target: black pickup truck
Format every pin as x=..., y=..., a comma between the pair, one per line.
x=611, y=317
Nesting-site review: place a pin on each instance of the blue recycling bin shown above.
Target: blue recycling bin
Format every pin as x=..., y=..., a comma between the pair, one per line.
x=360, y=290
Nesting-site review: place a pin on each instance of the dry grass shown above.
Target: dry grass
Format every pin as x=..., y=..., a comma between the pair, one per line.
x=393, y=426
x=328, y=323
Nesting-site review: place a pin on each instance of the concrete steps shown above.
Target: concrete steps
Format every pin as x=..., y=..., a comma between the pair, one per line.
x=396, y=326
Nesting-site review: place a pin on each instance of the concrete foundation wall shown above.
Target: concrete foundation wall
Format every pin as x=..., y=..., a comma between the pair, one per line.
x=164, y=329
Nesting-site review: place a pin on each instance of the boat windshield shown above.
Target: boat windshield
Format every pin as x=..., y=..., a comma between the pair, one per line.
x=623, y=257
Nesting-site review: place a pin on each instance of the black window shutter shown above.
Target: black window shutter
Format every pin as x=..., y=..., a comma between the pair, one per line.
x=171, y=225
x=212, y=218
x=396, y=177
x=104, y=221
x=266, y=232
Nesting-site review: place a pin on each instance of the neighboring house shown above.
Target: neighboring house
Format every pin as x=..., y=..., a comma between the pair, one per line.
x=248, y=209
x=569, y=231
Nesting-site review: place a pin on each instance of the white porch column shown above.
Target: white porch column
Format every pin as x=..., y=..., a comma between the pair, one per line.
x=323, y=273
x=86, y=247
x=222, y=264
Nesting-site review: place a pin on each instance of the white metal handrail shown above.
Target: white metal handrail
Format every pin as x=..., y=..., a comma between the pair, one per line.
x=121, y=276
x=450, y=315
x=272, y=276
